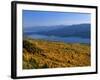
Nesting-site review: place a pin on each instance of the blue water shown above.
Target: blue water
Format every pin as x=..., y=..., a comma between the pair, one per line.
x=62, y=39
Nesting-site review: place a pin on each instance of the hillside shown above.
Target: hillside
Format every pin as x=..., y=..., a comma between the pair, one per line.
x=79, y=30
x=46, y=54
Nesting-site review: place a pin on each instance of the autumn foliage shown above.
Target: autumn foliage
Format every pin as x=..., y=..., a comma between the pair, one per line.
x=51, y=54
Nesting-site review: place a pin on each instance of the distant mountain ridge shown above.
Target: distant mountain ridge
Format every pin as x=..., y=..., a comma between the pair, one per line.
x=81, y=30
x=77, y=30
x=41, y=28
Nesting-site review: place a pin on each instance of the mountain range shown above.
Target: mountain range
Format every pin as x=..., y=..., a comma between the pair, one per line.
x=77, y=30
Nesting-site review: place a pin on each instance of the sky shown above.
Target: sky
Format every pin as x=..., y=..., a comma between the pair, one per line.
x=33, y=18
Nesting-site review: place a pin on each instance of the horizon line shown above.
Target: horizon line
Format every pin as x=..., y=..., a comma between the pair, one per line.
x=55, y=25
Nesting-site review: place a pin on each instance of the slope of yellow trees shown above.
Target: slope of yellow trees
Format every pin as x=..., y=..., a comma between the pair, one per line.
x=39, y=54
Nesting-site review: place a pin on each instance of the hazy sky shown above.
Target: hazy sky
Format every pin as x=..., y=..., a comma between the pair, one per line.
x=47, y=18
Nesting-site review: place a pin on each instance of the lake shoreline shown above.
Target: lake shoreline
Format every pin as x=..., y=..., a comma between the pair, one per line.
x=60, y=39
